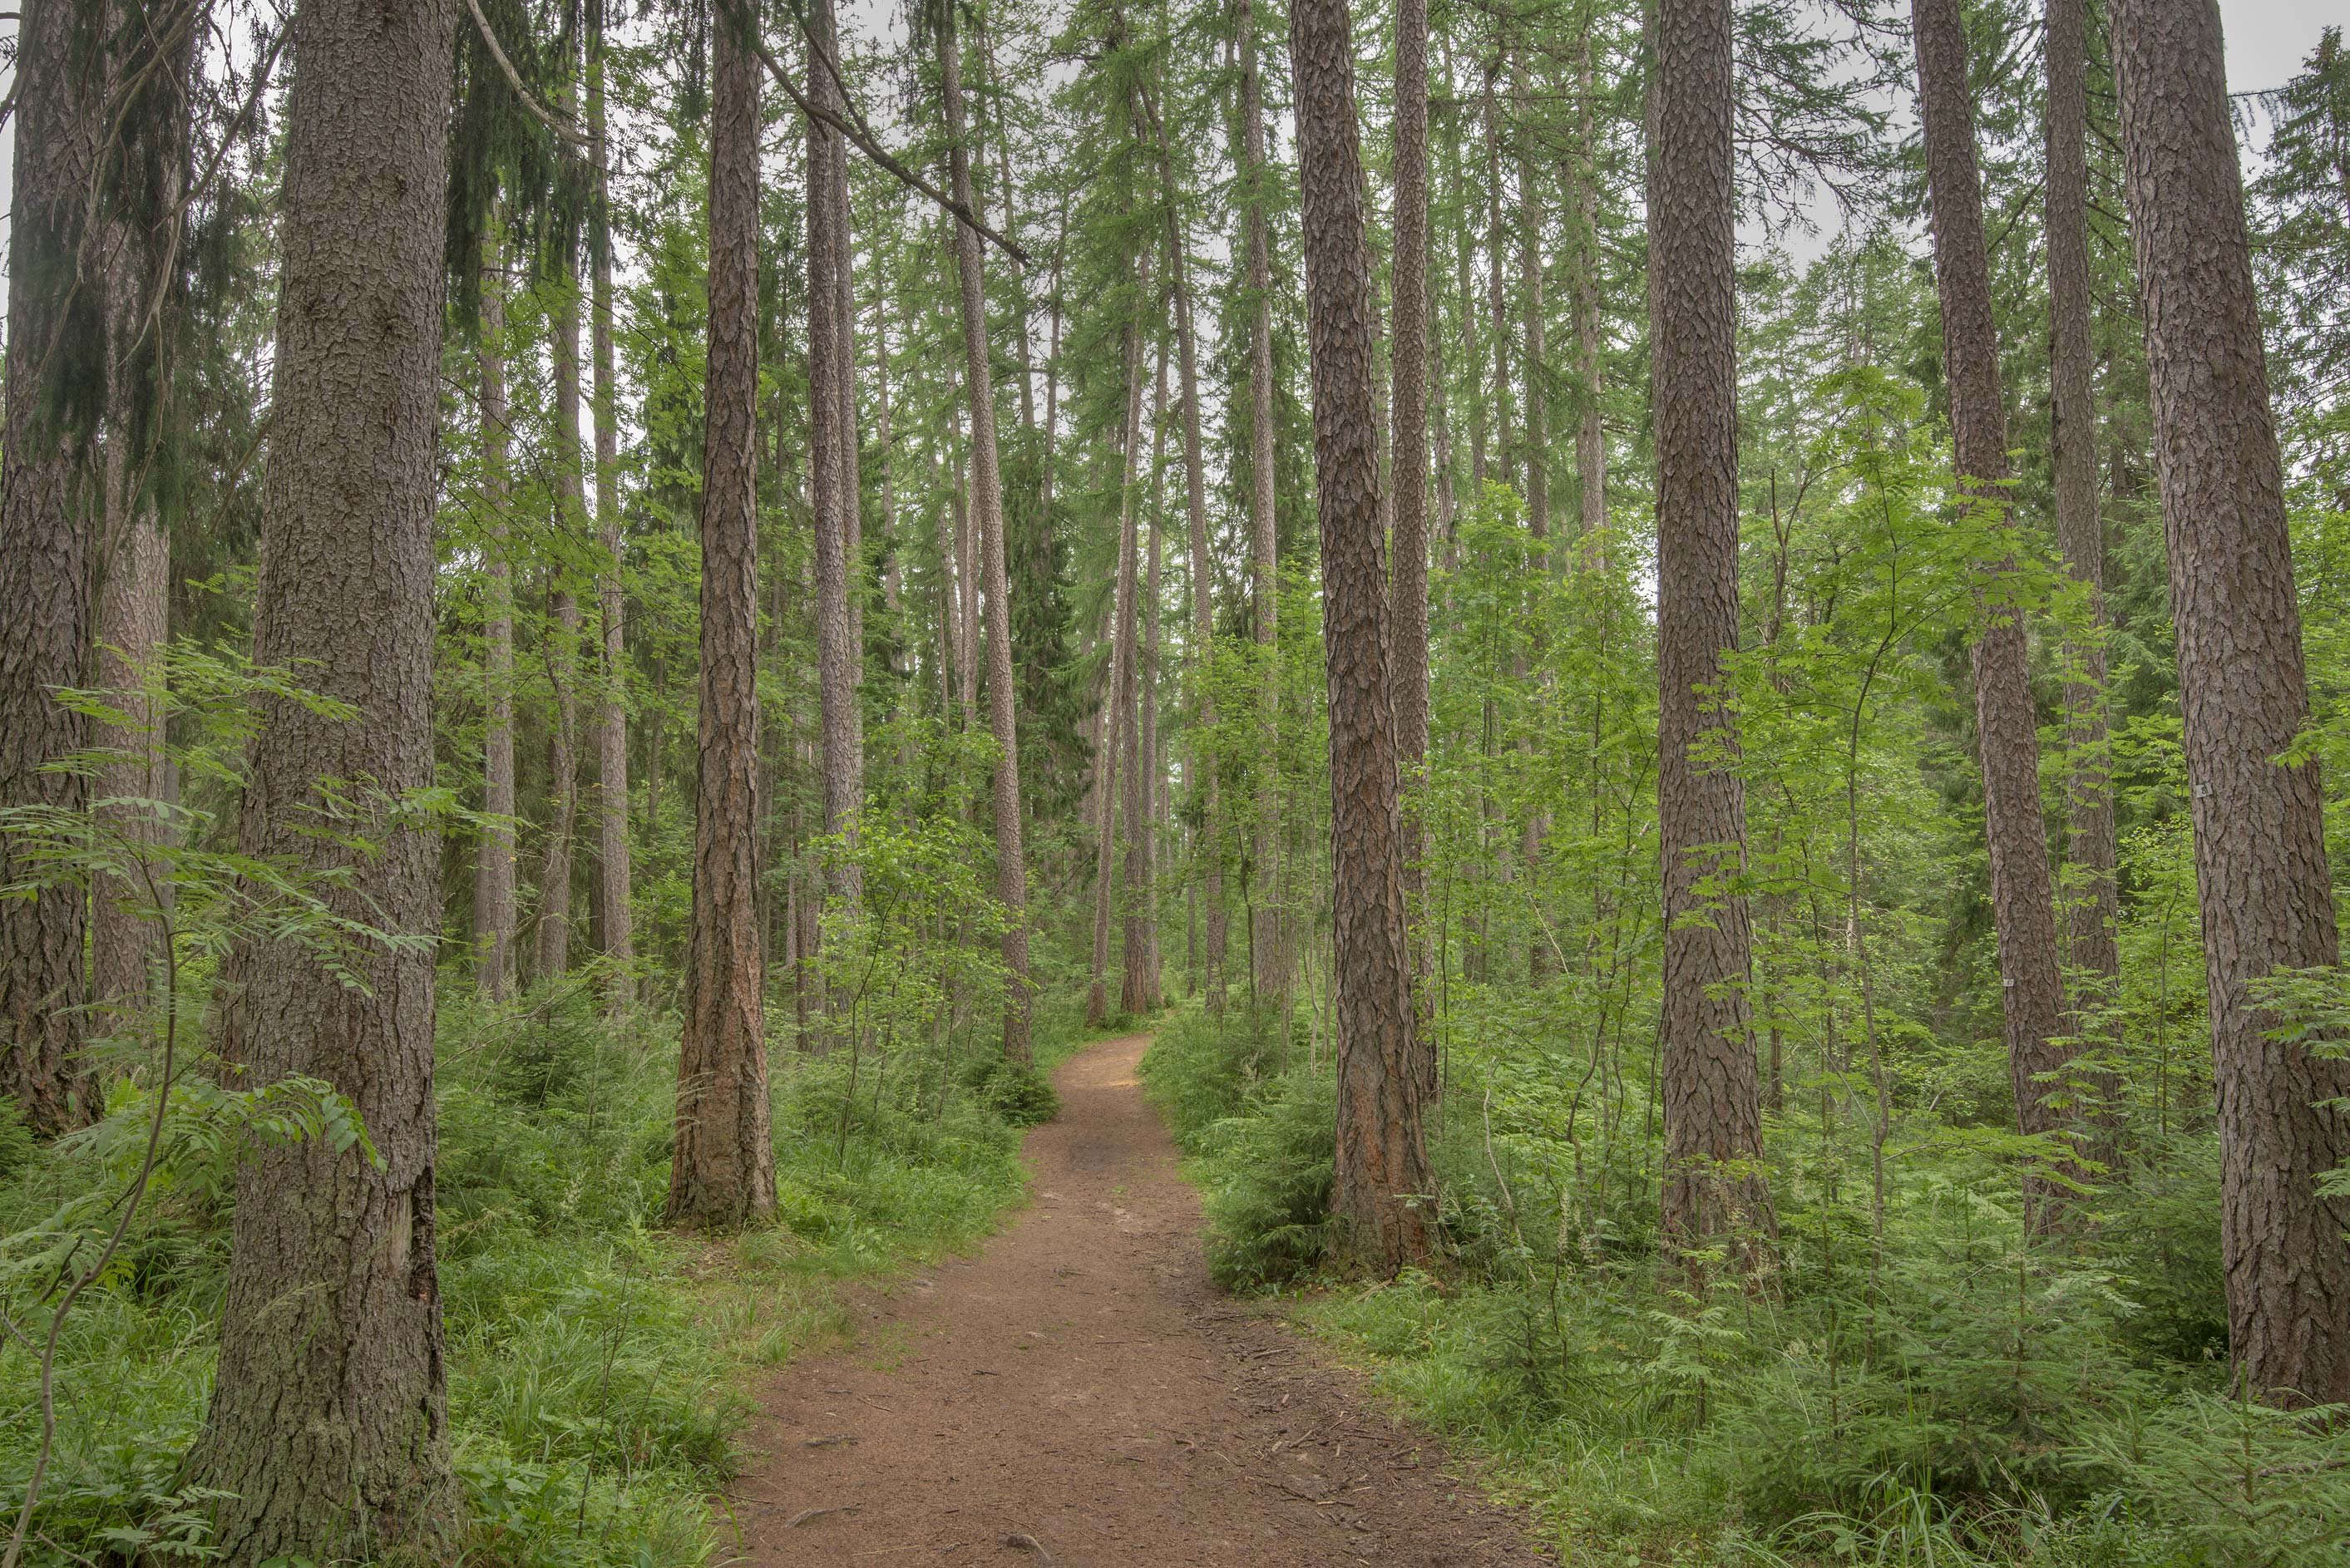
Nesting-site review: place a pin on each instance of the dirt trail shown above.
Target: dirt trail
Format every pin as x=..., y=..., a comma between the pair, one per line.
x=1078, y=1395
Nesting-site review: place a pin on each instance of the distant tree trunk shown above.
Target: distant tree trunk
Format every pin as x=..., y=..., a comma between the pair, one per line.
x=1408, y=448
x=2092, y=910
x=987, y=499
x=2260, y=838
x=967, y=633
x=1011, y=218
x=1381, y=1165
x=1152, y=770
x=1134, y=753
x=1529, y=288
x=1714, y=1189
x=1203, y=634
x=2022, y=892
x=723, y=1172
x=493, y=866
x=563, y=652
x=141, y=244
x=1268, y=950
x=615, y=898
x=832, y=430
x=1497, y=299
x=327, y=1436
x=1113, y=709
x=1583, y=301
x=50, y=505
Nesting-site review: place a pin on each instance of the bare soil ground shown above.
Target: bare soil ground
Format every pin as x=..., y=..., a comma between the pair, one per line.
x=1079, y=1395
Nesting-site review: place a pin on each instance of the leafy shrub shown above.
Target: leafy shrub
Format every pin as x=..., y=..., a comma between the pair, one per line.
x=1014, y=1091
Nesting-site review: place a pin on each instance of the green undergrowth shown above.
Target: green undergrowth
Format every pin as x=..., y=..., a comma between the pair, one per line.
x=598, y=1363
x=1963, y=1396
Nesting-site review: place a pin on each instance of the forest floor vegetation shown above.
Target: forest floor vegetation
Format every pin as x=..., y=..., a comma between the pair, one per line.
x=1943, y=1389
x=598, y=1361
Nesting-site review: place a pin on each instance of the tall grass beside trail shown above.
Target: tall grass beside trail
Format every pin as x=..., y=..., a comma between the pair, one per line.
x=1961, y=1396
x=598, y=1364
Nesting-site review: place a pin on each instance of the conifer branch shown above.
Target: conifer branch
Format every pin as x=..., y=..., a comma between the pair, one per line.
x=546, y=116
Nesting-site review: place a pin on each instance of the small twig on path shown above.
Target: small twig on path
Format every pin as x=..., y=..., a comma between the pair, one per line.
x=806, y=1514
x=1029, y=1543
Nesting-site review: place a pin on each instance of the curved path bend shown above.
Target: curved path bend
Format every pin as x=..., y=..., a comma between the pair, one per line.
x=1077, y=1395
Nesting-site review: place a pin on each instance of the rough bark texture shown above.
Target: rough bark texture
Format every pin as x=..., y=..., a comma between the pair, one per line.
x=1134, y=870
x=1267, y=956
x=1195, y=514
x=1111, y=714
x=561, y=652
x=1381, y=1165
x=1714, y=1186
x=1408, y=450
x=134, y=621
x=2091, y=905
x=614, y=874
x=1149, y=776
x=49, y=518
x=1583, y=303
x=327, y=1427
x=724, y=1169
x=493, y=866
x=2259, y=841
x=832, y=430
x=2031, y=980
x=987, y=499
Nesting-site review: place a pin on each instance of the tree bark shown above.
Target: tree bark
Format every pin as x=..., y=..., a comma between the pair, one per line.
x=1583, y=301
x=1203, y=635
x=2260, y=839
x=1381, y=1164
x=1714, y=1190
x=833, y=441
x=987, y=499
x=328, y=1431
x=493, y=866
x=1114, y=706
x=723, y=1172
x=2022, y=892
x=1143, y=789
x=563, y=650
x=2091, y=905
x=614, y=874
x=1267, y=958
x=50, y=514
x=1407, y=457
x=1134, y=870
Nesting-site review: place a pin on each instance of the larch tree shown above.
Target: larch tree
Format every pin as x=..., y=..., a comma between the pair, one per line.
x=51, y=509
x=1408, y=450
x=1713, y=1185
x=2032, y=979
x=614, y=874
x=327, y=1434
x=722, y=1169
x=1381, y=1170
x=987, y=501
x=2258, y=814
x=493, y=863
x=1111, y=733
x=1268, y=946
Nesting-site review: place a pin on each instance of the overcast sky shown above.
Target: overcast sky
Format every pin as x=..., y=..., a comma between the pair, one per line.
x=2267, y=42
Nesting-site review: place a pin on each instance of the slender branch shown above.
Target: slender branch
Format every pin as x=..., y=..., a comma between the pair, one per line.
x=860, y=135
x=539, y=111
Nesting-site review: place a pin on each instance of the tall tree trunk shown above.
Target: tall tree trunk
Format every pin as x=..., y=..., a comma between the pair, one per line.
x=493, y=867
x=1714, y=1186
x=1530, y=289
x=2092, y=910
x=2260, y=831
x=563, y=652
x=1267, y=959
x=142, y=247
x=987, y=499
x=1381, y=1164
x=1407, y=447
x=1464, y=249
x=50, y=512
x=1020, y=302
x=723, y=1172
x=967, y=633
x=328, y=1435
x=615, y=898
x=1497, y=299
x=2022, y=892
x=1114, y=706
x=832, y=430
x=1583, y=300
x=1134, y=870
x=1203, y=634
x=1143, y=843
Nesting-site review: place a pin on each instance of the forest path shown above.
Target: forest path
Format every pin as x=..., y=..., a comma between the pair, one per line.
x=1079, y=1395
